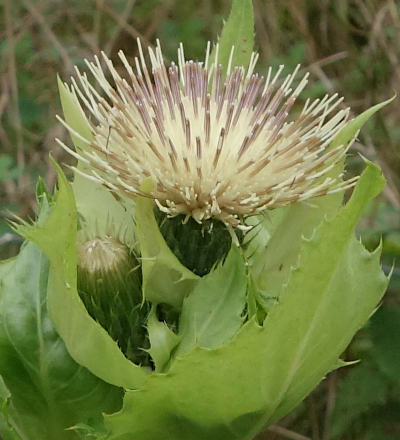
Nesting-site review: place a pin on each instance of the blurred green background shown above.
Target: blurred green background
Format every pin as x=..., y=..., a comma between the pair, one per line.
x=349, y=46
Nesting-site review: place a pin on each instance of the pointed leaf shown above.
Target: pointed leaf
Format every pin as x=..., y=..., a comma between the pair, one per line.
x=327, y=267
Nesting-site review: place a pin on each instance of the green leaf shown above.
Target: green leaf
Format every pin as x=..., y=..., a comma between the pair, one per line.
x=165, y=279
x=48, y=391
x=162, y=341
x=385, y=330
x=212, y=314
x=87, y=342
x=98, y=207
x=235, y=391
x=340, y=284
x=238, y=31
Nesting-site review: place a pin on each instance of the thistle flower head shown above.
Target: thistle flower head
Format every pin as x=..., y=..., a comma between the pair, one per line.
x=216, y=146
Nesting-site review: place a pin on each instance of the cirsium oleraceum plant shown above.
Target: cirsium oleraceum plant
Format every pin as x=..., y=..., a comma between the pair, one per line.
x=200, y=275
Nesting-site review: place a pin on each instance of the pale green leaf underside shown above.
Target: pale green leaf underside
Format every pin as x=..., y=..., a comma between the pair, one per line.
x=87, y=342
x=234, y=391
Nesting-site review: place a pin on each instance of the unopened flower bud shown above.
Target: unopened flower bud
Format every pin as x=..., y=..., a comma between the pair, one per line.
x=109, y=284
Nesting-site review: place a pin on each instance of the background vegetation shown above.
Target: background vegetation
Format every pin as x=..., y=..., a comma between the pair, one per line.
x=349, y=46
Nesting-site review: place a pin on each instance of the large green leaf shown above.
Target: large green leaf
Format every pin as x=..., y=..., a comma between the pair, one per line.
x=48, y=391
x=87, y=342
x=234, y=391
x=238, y=31
x=165, y=279
x=212, y=314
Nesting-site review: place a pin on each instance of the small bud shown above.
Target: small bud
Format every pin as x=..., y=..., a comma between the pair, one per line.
x=104, y=255
x=109, y=284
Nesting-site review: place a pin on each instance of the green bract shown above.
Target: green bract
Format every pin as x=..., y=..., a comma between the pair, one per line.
x=229, y=353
